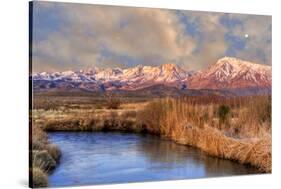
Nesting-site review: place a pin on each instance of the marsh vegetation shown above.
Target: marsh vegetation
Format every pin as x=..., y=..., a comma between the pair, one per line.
x=236, y=128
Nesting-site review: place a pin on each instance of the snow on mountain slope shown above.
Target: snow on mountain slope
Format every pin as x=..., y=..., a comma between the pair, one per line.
x=127, y=78
x=232, y=73
x=226, y=73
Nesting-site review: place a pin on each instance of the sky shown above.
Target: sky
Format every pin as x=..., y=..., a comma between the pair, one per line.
x=70, y=36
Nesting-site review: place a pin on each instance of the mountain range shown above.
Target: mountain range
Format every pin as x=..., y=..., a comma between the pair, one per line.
x=227, y=74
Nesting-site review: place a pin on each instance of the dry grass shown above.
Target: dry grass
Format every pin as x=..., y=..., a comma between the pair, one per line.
x=44, y=157
x=113, y=103
x=54, y=152
x=39, y=178
x=247, y=139
x=43, y=160
x=214, y=142
x=243, y=134
x=87, y=119
x=39, y=137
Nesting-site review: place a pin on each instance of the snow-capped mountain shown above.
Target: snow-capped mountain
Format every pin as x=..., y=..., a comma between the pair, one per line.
x=232, y=73
x=164, y=73
x=226, y=73
x=116, y=78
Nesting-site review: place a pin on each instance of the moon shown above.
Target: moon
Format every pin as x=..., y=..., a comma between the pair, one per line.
x=246, y=35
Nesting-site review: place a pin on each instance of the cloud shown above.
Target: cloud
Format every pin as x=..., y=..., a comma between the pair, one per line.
x=258, y=43
x=209, y=34
x=141, y=33
x=80, y=36
x=223, y=34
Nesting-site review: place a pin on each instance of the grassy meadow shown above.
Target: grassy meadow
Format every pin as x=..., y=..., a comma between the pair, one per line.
x=237, y=128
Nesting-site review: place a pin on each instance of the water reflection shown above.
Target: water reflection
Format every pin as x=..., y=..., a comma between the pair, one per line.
x=174, y=154
x=100, y=158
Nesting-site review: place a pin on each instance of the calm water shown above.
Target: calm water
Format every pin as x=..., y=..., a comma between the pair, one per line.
x=104, y=158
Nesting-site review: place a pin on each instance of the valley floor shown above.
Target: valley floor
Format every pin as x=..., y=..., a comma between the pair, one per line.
x=238, y=128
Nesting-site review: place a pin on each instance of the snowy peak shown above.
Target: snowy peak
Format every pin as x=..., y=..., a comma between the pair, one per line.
x=169, y=67
x=170, y=73
x=226, y=73
x=238, y=64
x=229, y=68
x=108, y=74
x=137, y=76
x=231, y=72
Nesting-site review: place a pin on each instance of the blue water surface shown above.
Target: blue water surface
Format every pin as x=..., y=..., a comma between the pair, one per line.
x=109, y=157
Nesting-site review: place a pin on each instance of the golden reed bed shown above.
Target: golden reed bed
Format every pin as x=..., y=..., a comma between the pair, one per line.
x=243, y=134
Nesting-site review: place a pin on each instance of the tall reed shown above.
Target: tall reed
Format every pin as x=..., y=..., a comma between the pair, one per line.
x=245, y=137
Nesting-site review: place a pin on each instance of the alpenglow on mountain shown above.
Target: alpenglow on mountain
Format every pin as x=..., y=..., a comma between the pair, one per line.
x=226, y=74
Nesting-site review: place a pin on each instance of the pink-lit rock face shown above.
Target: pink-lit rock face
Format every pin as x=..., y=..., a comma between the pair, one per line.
x=231, y=73
x=226, y=73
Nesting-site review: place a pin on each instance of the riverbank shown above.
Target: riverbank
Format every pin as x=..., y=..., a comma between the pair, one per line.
x=242, y=134
x=45, y=158
x=92, y=158
x=237, y=129
x=256, y=152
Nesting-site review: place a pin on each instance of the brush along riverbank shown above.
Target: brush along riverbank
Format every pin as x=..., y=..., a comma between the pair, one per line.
x=236, y=129
x=44, y=157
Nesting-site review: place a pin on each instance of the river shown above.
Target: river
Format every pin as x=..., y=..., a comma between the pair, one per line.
x=110, y=157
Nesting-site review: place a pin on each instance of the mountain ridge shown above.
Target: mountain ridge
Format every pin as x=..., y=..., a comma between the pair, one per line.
x=227, y=73
x=230, y=73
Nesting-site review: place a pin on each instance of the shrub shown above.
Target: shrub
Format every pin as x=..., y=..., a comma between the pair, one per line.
x=191, y=124
x=98, y=106
x=42, y=159
x=261, y=109
x=36, y=145
x=39, y=178
x=223, y=112
x=113, y=103
x=54, y=151
x=151, y=116
x=38, y=135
